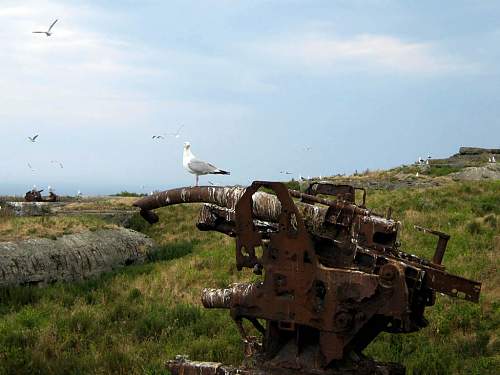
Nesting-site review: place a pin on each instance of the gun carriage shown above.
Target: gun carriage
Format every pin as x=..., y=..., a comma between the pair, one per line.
x=333, y=277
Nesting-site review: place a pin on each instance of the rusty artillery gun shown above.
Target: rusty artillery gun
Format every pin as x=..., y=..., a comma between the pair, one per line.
x=36, y=196
x=333, y=277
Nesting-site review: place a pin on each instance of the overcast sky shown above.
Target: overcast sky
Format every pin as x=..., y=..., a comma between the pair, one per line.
x=364, y=84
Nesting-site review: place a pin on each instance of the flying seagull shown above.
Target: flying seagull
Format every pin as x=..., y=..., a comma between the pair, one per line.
x=30, y=167
x=33, y=139
x=47, y=33
x=157, y=137
x=196, y=166
x=285, y=172
x=177, y=134
x=58, y=162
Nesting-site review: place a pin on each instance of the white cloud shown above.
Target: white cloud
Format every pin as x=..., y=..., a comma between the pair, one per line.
x=68, y=78
x=330, y=53
x=81, y=74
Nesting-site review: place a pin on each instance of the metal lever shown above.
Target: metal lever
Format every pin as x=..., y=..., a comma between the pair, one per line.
x=441, y=245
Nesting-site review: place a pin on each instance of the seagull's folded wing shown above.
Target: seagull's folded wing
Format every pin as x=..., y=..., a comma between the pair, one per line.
x=201, y=167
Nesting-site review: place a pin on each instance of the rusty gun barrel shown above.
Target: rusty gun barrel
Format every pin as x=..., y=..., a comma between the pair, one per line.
x=266, y=206
x=226, y=298
x=216, y=298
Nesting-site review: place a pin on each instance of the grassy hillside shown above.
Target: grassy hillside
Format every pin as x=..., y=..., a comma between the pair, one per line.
x=133, y=320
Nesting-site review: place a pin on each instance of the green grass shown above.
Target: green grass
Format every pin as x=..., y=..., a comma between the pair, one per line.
x=18, y=228
x=127, y=194
x=444, y=170
x=131, y=321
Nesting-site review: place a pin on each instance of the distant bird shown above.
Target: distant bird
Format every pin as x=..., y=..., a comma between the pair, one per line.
x=307, y=148
x=196, y=166
x=49, y=189
x=285, y=172
x=177, y=134
x=58, y=162
x=33, y=139
x=429, y=156
x=30, y=167
x=420, y=160
x=157, y=137
x=47, y=33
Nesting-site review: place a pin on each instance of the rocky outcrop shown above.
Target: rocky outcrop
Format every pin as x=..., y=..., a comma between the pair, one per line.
x=478, y=151
x=468, y=157
x=28, y=208
x=72, y=257
x=491, y=171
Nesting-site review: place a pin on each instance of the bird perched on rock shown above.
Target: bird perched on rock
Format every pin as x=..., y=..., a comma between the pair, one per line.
x=196, y=166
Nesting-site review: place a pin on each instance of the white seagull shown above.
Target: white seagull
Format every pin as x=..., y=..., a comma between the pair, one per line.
x=33, y=139
x=177, y=134
x=196, y=166
x=47, y=33
x=157, y=137
x=58, y=162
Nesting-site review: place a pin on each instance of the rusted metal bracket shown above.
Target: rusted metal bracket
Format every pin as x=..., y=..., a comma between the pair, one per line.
x=342, y=192
x=441, y=244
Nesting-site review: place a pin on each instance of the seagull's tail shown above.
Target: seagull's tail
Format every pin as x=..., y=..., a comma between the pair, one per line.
x=220, y=171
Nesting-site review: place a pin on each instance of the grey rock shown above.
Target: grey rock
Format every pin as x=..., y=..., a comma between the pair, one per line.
x=478, y=150
x=488, y=172
x=28, y=208
x=71, y=257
